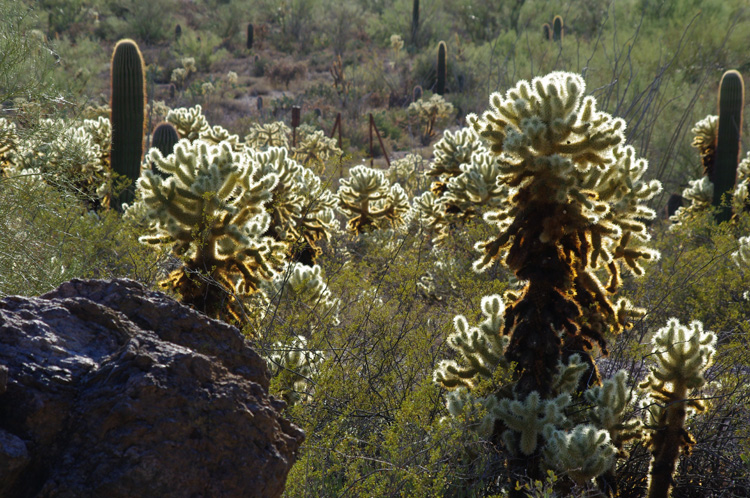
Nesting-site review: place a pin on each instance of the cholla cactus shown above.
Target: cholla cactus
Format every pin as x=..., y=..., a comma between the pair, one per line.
x=610, y=403
x=706, y=131
x=700, y=194
x=304, y=288
x=451, y=151
x=301, y=208
x=291, y=367
x=429, y=113
x=8, y=143
x=370, y=201
x=216, y=134
x=577, y=204
x=583, y=453
x=407, y=172
x=315, y=149
x=211, y=211
x=189, y=123
x=262, y=136
x=742, y=255
x=481, y=348
x=682, y=353
x=397, y=43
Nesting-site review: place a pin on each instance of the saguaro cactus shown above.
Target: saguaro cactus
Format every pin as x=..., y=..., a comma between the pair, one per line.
x=731, y=101
x=557, y=28
x=128, y=103
x=250, y=33
x=165, y=138
x=442, y=68
x=546, y=31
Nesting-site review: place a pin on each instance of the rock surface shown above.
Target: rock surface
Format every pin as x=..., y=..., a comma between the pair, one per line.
x=111, y=390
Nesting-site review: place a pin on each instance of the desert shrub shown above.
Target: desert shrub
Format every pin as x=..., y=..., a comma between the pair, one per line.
x=284, y=72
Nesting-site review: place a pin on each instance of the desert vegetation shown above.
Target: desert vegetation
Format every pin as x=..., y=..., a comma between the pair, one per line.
x=485, y=250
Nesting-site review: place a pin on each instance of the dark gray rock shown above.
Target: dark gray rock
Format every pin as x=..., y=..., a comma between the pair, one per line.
x=109, y=389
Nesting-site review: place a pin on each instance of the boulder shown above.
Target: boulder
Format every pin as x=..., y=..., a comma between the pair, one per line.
x=110, y=389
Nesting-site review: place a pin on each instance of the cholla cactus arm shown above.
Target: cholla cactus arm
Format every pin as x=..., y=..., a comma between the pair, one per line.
x=262, y=136
x=370, y=201
x=480, y=348
x=476, y=186
x=583, y=453
x=291, y=367
x=575, y=197
x=216, y=134
x=211, y=209
x=682, y=355
x=432, y=213
x=527, y=419
x=407, y=172
x=610, y=402
x=286, y=204
x=305, y=286
x=190, y=123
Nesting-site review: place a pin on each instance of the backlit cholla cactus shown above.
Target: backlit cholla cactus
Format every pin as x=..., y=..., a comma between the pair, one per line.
x=8, y=143
x=682, y=354
x=700, y=194
x=301, y=208
x=705, y=132
x=314, y=150
x=216, y=134
x=428, y=114
x=67, y=157
x=262, y=136
x=211, y=211
x=742, y=255
x=451, y=151
x=369, y=201
x=292, y=366
x=189, y=123
x=407, y=172
x=582, y=454
x=303, y=289
x=576, y=204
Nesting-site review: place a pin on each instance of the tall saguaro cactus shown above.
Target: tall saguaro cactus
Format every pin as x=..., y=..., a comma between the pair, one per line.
x=128, y=103
x=731, y=102
x=442, y=68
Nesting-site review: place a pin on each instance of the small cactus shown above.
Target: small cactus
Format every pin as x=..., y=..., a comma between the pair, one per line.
x=546, y=31
x=177, y=32
x=557, y=29
x=442, y=68
x=416, y=93
x=731, y=102
x=128, y=103
x=414, y=22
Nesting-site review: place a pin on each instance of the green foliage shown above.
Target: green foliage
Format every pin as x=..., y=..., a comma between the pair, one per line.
x=128, y=103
